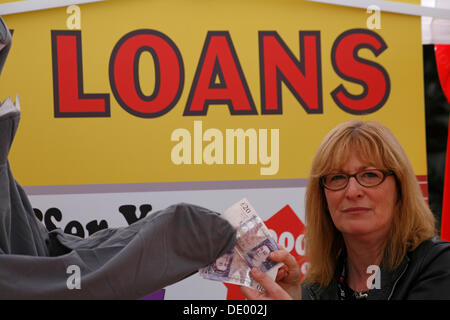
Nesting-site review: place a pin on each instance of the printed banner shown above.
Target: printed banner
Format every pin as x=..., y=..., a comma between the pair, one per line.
x=131, y=106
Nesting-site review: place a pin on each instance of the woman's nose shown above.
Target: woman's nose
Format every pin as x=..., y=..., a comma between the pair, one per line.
x=354, y=189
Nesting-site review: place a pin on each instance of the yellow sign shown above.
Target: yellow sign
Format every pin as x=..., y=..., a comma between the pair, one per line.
x=164, y=91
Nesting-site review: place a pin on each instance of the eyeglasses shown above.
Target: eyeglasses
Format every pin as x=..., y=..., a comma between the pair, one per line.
x=366, y=178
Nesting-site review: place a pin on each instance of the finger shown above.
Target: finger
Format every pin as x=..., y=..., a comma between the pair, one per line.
x=273, y=290
x=282, y=273
x=250, y=293
x=285, y=257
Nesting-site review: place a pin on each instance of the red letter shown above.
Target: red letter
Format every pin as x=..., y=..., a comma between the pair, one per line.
x=278, y=64
x=219, y=61
x=124, y=73
x=349, y=66
x=68, y=93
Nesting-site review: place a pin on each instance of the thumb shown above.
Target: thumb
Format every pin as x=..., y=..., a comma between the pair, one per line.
x=273, y=290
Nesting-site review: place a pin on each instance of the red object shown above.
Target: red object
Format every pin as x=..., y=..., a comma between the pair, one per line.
x=289, y=231
x=442, y=53
x=70, y=98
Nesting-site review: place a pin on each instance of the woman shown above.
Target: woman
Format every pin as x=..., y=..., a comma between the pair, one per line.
x=364, y=213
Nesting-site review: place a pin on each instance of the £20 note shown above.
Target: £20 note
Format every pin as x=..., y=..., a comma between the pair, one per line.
x=253, y=246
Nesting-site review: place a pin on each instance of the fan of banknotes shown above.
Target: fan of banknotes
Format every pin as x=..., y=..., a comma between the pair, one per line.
x=253, y=246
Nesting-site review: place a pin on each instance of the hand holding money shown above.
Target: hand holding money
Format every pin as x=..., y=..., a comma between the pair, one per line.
x=287, y=285
x=253, y=246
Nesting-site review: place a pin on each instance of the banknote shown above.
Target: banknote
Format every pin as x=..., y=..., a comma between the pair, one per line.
x=230, y=268
x=253, y=246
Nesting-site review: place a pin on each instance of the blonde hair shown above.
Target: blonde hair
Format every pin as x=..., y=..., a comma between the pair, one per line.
x=413, y=221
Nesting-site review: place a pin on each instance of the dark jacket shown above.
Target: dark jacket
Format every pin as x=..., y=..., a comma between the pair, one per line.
x=423, y=274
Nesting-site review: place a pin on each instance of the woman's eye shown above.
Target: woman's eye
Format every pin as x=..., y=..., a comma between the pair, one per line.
x=371, y=175
x=337, y=177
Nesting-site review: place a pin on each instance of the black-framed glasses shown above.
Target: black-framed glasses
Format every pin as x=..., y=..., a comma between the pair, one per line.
x=366, y=178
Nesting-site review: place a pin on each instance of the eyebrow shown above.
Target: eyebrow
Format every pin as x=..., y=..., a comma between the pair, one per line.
x=359, y=169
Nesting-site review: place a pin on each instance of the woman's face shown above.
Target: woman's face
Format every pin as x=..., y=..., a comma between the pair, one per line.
x=362, y=211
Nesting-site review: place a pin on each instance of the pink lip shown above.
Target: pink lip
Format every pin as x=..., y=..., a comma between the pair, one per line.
x=356, y=210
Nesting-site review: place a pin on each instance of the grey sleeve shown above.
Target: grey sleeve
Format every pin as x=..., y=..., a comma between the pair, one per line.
x=5, y=43
x=121, y=263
